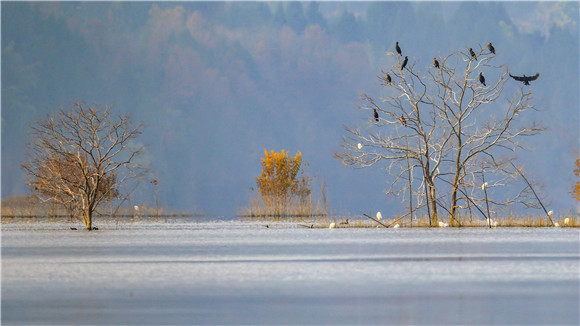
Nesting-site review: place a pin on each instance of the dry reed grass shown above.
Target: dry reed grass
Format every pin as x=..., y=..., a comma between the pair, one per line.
x=30, y=208
x=283, y=210
x=423, y=222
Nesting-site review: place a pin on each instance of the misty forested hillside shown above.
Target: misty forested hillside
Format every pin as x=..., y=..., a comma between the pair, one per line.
x=216, y=83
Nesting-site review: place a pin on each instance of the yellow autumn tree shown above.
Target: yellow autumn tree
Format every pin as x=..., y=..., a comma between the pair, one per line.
x=282, y=183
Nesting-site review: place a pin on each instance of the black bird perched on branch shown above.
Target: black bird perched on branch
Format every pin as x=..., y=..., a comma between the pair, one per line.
x=398, y=48
x=482, y=79
x=472, y=53
x=435, y=63
x=404, y=62
x=403, y=120
x=525, y=78
x=376, y=114
x=491, y=48
x=388, y=78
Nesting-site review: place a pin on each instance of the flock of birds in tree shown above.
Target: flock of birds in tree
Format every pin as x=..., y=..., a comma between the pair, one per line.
x=525, y=79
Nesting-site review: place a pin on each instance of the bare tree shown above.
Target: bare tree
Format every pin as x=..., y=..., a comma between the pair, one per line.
x=447, y=122
x=80, y=157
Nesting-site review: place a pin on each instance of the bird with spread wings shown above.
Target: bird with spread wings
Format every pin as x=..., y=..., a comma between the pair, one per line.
x=526, y=79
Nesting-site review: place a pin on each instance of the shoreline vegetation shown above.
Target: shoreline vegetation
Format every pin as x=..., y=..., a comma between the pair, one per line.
x=308, y=214
x=29, y=208
x=359, y=221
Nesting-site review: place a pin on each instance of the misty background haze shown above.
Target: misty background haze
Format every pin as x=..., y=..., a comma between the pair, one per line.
x=216, y=83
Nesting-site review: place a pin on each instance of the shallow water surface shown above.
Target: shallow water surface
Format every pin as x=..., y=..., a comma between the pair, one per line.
x=229, y=272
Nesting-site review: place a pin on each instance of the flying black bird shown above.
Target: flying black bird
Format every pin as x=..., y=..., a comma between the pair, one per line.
x=491, y=48
x=472, y=53
x=435, y=63
x=388, y=78
x=404, y=62
x=376, y=114
x=526, y=79
x=398, y=48
x=482, y=79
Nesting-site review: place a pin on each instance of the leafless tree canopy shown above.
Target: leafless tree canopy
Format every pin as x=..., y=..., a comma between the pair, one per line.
x=81, y=156
x=447, y=130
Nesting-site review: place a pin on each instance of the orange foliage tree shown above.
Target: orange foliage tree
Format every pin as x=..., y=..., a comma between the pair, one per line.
x=576, y=191
x=281, y=182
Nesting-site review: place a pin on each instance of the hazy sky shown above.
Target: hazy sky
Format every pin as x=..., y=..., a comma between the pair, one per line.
x=216, y=83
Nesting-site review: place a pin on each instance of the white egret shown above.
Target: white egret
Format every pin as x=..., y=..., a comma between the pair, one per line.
x=136, y=208
x=566, y=221
x=396, y=226
x=484, y=185
x=379, y=216
x=556, y=224
x=359, y=146
x=443, y=225
x=550, y=213
x=332, y=225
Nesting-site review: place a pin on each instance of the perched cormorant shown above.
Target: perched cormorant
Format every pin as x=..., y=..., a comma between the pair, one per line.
x=482, y=79
x=404, y=62
x=74, y=229
x=435, y=63
x=388, y=78
x=403, y=120
x=472, y=53
x=491, y=48
x=398, y=48
x=376, y=114
x=526, y=79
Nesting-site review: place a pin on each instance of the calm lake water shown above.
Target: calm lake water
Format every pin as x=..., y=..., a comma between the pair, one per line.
x=230, y=272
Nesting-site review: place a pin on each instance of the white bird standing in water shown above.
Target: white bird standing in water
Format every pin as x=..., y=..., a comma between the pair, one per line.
x=332, y=225
x=443, y=225
x=491, y=222
x=396, y=226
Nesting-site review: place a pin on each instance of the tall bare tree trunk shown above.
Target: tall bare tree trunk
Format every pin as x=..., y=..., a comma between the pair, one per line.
x=88, y=219
x=433, y=204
